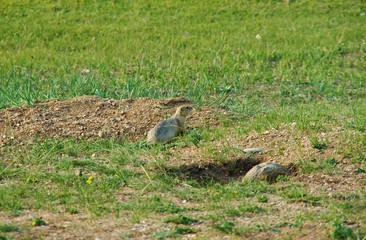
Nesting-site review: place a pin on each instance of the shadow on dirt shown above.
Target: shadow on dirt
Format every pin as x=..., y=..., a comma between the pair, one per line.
x=231, y=170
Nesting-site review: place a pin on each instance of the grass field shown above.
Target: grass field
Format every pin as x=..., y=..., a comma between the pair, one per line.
x=270, y=66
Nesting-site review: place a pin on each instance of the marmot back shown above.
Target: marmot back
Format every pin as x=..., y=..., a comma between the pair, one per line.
x=170, y=128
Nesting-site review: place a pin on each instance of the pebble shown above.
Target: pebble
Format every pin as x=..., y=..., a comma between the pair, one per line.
x=253, y=150
x=79, y=172
x=85, y=71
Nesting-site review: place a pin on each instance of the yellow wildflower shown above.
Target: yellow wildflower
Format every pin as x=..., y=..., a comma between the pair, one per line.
x=89, y=180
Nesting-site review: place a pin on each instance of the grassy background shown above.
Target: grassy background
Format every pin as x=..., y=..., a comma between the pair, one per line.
x=202, y=50
x=265, y=61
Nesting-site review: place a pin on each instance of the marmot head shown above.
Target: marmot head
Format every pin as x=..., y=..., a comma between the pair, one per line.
x=184, y=110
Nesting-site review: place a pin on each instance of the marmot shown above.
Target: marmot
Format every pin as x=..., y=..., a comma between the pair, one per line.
x=170, y=128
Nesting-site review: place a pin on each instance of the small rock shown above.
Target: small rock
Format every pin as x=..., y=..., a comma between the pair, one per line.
x=85, y=71
x=268, y=171
x=79, y=172
x=253, y=150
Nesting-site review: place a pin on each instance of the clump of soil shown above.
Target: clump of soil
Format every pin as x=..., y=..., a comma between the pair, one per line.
x=92, y=117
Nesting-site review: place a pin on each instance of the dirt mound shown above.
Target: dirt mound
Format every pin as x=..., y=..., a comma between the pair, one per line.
x=91, y=117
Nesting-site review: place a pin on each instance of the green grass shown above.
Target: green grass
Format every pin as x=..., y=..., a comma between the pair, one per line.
x=180, y=219
x=8, y=228
x=211, y=50
x=226, y=227
x=306, y=70
x=342, y=232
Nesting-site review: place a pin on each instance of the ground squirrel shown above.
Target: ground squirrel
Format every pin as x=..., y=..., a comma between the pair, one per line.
x=170, y=128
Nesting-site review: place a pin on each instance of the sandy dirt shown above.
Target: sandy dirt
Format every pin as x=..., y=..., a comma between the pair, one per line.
x=92, y=117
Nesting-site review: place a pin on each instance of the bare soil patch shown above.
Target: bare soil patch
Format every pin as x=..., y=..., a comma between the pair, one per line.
x=92, y=117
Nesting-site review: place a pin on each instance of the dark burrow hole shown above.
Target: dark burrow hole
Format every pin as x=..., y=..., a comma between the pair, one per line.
x=231, y=170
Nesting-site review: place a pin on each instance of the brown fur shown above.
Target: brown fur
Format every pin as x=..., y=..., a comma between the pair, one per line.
x=170, y=128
